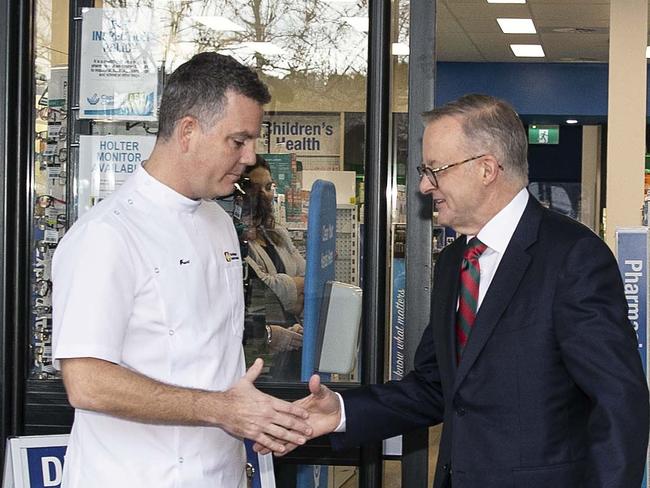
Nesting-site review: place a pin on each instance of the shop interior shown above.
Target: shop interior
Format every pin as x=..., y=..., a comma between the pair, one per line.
x=587, y=156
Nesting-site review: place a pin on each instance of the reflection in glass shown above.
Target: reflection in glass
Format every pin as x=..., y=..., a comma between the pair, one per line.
x=49, y=172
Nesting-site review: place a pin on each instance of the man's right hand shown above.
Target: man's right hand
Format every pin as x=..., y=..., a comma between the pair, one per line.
x=270, y=422
x=324, y=414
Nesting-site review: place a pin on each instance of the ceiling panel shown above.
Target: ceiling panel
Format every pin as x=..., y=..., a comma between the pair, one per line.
x=455, y=47
x=446, y=22
x=579, y=14
x=567, y=47
x=482, y=10
x=569, y=30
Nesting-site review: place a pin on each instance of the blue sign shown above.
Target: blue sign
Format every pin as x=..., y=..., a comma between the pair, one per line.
x=45, y=466
x=632, y=249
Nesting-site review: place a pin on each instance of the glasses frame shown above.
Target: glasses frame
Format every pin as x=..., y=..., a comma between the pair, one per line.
x=431, y=173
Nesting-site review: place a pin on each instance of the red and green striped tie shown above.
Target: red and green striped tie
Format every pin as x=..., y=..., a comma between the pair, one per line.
x=470, y=275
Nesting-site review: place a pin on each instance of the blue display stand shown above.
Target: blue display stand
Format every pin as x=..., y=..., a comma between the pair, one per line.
x=321, y=253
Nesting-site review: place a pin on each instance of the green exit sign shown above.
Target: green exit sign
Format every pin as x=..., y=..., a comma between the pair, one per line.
x=543, y=134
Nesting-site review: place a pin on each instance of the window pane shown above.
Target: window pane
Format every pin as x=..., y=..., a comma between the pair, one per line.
x=50, y=170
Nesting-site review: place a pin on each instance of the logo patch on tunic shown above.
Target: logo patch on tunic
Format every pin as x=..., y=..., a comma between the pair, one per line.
x=231, y=256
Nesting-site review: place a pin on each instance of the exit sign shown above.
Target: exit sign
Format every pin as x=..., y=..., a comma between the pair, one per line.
x=544, y=134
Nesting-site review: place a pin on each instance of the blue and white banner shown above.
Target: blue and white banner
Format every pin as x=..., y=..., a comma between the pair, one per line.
x=118, y=76
x=632, y=253
x=34, y=461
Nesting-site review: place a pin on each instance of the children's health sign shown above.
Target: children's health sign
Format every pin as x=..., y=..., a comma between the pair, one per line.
x=304, y=135
x=105, y=162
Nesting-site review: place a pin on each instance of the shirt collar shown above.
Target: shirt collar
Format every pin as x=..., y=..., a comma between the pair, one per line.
x=496, y=234
x=162, y=194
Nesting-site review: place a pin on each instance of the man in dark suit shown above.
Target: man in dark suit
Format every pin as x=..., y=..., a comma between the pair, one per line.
x=529, y=359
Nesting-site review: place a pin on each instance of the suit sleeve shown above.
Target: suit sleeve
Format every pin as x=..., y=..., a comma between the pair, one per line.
x=376, y=412
x=600, y=351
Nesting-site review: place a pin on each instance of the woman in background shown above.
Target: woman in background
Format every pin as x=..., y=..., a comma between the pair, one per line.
x=271, y=254
x=276, y=274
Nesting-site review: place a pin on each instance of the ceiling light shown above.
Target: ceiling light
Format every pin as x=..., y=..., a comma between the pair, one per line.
x=219, y=23
x=360, y=24
x=571, y=121
x=527, y=50
x=517, y=26
x=506, y=1
x=400, y=49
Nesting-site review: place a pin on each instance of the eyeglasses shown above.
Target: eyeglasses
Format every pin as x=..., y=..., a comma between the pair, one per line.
x=430, y=173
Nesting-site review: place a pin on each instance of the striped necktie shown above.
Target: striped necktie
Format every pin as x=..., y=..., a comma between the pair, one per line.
x=470, y=275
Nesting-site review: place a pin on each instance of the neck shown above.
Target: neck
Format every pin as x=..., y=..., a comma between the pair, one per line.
x=494, y=202
x=165, y=165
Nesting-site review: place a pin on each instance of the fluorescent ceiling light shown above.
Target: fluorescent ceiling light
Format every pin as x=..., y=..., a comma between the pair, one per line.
x=506, y=1
x=360, y=24
x=400, y=49
x=219, y=23
x=265, y=48
x=527, y=50
x=517, y=26
x=571, y=121
x=647, y=52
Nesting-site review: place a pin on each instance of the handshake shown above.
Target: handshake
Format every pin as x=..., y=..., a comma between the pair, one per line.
x=278, y=426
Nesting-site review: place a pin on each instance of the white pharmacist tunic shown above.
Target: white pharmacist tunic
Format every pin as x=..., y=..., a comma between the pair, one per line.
x=152, y=281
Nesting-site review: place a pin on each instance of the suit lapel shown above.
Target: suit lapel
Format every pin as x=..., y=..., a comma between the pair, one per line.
x=506, y=280
x=448, y=272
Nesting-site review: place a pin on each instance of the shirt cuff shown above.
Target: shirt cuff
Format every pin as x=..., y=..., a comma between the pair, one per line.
x=341, y=426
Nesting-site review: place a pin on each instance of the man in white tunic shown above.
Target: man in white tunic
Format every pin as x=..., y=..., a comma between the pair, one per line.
x=148, y=304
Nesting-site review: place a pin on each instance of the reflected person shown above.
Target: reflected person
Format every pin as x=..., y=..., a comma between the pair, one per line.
x=276, y=270
x=271, y=253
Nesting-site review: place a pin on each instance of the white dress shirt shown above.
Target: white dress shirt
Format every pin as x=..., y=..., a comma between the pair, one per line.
x=496, y=235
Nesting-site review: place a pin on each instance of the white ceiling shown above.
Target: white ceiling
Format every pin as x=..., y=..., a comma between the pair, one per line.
x=568, y=30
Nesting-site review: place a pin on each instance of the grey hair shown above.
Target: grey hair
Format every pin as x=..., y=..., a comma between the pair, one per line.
x=490, y=125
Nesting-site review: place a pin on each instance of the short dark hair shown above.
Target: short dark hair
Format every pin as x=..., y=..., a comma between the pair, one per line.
x=198, y=88
x=490, y=125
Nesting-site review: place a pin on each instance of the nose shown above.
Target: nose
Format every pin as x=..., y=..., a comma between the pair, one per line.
x=248, y=153
x=425, y=186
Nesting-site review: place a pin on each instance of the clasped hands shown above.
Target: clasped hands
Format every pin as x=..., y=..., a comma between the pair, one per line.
x=323, y=415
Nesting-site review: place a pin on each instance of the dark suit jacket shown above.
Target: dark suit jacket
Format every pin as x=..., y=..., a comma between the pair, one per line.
x=550, y=392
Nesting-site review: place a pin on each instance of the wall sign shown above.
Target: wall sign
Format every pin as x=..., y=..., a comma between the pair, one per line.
x=118, y=74
x=34, y=461
x=304, y=135
x=632, y=252
x=105, y=162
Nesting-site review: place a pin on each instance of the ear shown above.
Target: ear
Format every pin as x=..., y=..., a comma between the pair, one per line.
x=186, y=132
x=490, y=169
